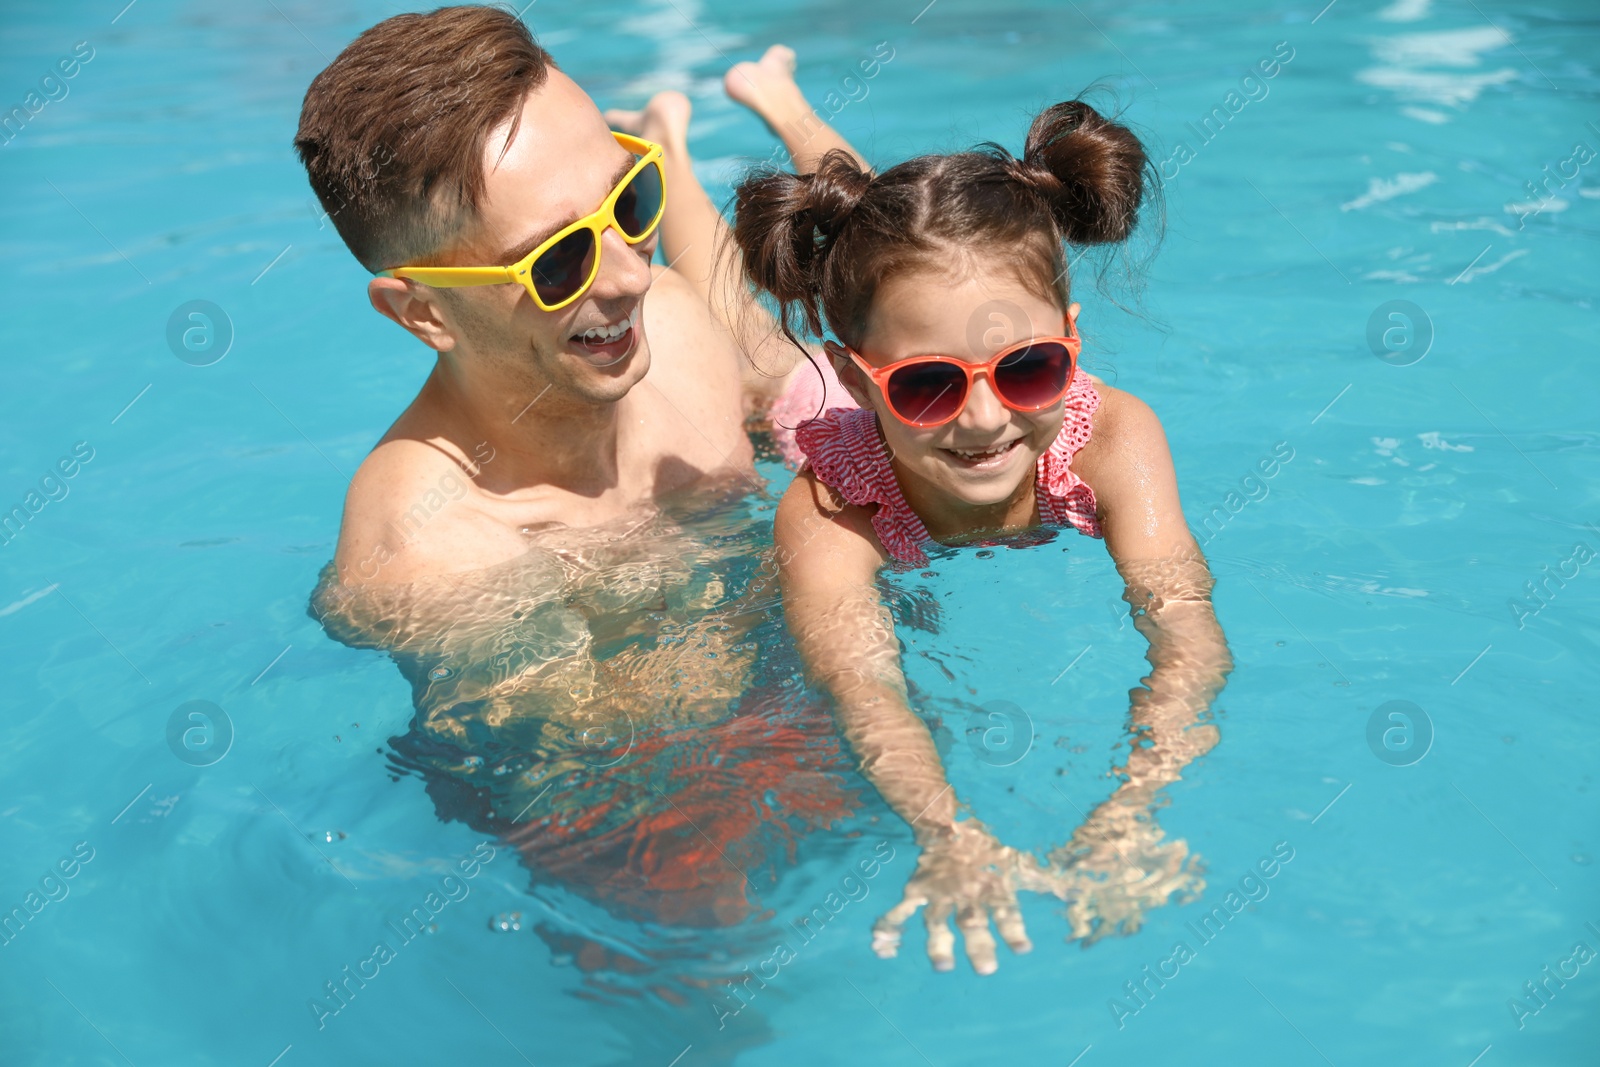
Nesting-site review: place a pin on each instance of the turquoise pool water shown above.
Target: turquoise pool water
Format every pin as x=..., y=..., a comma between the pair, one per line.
x=1429, y=460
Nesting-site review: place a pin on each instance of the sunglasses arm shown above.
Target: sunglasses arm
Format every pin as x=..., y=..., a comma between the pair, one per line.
x=453, y=277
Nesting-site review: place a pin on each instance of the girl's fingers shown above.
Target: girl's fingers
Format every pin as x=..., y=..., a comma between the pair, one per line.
x=974, y=923
x=941, y=942
x=1008, y=920
x=886, y=931
x=896, y=917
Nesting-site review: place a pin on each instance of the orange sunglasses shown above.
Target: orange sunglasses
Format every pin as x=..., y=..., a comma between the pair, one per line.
x=929, y=391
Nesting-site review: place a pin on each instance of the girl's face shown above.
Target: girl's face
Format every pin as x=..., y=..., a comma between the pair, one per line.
x=978, y=469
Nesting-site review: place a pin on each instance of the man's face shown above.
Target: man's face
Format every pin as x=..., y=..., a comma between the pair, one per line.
x=562, y=163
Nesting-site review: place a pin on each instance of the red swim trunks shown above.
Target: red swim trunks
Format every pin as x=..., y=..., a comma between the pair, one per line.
x=681, y=825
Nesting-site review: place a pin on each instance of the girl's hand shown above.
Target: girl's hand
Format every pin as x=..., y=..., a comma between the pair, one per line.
x=965, y=872
x=1115, y=870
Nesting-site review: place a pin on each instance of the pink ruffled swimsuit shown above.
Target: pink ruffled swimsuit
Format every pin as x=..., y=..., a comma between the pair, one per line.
x=847, y=453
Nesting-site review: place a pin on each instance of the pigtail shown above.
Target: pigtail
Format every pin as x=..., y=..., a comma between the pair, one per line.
x=1092, y=171
x=784, y=225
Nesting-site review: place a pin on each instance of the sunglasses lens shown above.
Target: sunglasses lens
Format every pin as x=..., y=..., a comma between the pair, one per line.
x=640, y=202
x=927, y=393
x=563, y=269
x=1034, y=377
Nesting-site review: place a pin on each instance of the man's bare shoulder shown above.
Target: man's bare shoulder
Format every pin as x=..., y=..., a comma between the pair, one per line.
x=411, y=511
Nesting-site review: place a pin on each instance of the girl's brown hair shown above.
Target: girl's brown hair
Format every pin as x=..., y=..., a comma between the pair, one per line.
x=822, y=243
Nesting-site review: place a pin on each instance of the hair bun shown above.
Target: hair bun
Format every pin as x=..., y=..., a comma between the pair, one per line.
x=784, y=224
x=1090, y=169
x=834, y=190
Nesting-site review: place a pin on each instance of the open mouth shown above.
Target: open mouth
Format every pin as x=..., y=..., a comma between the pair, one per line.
x=984, y=459
x=611, y=343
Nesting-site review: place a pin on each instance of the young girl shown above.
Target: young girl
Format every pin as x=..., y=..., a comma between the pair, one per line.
x=943, y=283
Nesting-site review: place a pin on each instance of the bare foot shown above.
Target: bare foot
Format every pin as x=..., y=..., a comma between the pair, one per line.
x=664, y=120
x=767, y=87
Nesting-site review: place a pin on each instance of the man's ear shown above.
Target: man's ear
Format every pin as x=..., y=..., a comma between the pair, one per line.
x=1071, y=318
x=414, y=308
x=850, y=376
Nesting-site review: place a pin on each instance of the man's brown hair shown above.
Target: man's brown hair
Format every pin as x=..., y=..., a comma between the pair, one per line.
x=392, y=132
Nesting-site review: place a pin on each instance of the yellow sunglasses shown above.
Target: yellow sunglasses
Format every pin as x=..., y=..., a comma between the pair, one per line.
x=561, y=269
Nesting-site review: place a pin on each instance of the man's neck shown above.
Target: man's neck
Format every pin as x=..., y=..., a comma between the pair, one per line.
x=538, y=437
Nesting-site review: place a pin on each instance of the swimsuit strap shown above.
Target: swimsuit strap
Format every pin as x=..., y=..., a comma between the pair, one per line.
x=847, y=453
x=1066, y=499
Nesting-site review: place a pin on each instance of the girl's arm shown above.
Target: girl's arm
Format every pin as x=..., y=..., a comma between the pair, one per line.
x=1168, y=587
x=829, y=558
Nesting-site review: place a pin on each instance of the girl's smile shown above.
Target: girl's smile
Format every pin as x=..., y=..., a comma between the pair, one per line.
x=984, y=460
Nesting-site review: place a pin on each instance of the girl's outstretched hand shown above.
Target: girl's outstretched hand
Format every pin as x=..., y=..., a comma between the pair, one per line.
x=1118, y=867
x=964, y=872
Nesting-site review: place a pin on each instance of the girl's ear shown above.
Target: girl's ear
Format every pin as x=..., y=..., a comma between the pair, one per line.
x=1071, y=318
x=849, y=375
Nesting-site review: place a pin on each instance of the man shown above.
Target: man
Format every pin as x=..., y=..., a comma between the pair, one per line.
x=451, y=139
x=549, y=712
